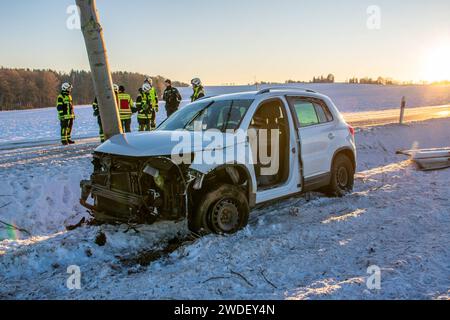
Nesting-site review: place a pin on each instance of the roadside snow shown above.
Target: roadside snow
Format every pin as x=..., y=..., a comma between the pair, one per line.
x=397, y=218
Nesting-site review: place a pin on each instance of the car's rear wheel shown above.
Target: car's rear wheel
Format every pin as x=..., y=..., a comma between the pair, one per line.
x=342, y=176
x=224, y=210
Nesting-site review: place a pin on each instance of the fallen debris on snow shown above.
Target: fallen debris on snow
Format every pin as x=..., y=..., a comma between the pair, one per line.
x=429, y=159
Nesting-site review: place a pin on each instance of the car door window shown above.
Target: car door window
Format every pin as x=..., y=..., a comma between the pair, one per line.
x=323, y=113
x=306, y=113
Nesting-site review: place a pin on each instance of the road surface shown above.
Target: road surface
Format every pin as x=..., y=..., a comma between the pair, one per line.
x=38, y=151
x=378, y=118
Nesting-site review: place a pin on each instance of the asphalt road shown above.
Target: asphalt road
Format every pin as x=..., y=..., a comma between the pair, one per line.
x=378, y=118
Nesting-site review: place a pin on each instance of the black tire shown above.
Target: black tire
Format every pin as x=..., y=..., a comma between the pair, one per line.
x=224, y=210
x=342, y=177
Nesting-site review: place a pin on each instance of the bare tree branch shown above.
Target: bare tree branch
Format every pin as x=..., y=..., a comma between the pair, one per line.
x=242, y=277
x=215, y=278
x=5, y=205
x=267, y=280
x=10, y=225
x=16, y=228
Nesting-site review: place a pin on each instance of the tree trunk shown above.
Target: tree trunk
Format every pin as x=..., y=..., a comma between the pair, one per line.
x=101, y=75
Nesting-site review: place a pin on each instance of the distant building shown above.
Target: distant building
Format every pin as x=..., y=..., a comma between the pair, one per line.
x=329, y=79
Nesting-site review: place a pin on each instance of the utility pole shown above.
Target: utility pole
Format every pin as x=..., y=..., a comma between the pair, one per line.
x=98, y=60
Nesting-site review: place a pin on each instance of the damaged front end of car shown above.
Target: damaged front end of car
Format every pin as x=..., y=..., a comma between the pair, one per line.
x=137, y=190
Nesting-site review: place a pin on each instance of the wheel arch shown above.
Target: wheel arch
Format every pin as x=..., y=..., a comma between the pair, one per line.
x=347, y=152
x=244, y=173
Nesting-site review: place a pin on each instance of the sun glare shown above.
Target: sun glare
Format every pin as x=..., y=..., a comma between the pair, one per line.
x=437, y=64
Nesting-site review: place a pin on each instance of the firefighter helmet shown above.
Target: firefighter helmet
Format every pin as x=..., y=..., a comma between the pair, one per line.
x=149, y=81
x=196, y=82
x=66, y=86
x=146, y=87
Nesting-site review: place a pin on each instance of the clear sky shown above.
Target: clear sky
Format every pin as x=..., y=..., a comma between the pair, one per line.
x=238, y=41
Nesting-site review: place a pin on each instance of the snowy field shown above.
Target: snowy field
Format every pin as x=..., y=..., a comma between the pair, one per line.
x=310, y=247
x=18, y=127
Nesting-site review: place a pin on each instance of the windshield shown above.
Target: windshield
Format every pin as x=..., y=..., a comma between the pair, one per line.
x=206, y=115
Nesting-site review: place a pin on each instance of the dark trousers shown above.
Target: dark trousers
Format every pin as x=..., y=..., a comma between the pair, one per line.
x=145, y=124
x=66, y=130
x=171, y=110
x=153, y=120
x=100, y=127
x=126, y=125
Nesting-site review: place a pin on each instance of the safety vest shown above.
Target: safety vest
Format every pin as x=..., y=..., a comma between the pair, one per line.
x=198, y=93
x=125, y=106
x=96, y=109
x=146, y=104
x=64, y=106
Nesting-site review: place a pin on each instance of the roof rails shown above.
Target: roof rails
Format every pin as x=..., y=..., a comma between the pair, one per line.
x=267, y=90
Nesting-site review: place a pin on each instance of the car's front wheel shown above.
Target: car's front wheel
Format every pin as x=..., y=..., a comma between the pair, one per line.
x=342, y=176
x=224, y=210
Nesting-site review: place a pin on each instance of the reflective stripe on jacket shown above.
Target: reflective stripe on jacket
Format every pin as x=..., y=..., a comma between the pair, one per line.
x=125, y=104
x=199, y=92
x=64, y=105
x=146, y=103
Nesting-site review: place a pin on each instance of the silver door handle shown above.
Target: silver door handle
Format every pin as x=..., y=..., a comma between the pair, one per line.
x=331, y=136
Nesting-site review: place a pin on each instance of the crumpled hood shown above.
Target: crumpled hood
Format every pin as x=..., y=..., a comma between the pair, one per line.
x=162, y=143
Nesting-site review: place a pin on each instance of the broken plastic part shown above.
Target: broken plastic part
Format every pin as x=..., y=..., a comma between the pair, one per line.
x=234, y=174
x=198, y=183
x=157, y=177
x=151, y=171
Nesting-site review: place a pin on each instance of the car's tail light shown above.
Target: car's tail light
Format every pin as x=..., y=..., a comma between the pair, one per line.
x=351, y=130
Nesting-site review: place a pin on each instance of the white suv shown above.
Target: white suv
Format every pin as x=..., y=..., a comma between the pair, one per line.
x=215, y=159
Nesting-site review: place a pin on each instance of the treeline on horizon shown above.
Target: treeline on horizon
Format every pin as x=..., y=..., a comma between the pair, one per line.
x=382, y=81
x=30, y=89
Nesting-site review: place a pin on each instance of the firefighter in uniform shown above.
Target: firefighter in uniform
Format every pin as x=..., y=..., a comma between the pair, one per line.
x=199, y=91
x=66, y=113
x=99, y=120
x=126, y=108
x=172, y=98
x=97, y=113
x=147, y=107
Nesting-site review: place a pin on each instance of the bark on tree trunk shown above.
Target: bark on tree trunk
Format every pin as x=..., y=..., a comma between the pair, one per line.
x=101, y=75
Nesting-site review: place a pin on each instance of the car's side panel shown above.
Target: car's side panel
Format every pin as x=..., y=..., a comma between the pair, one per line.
x=317, y=141
x=317, y=146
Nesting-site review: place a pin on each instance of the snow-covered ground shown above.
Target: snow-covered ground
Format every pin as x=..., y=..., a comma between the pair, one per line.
x=311, y=247
x=42, y=125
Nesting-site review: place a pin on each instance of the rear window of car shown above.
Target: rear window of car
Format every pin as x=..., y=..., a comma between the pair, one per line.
x=323, y=113
x=311, y=112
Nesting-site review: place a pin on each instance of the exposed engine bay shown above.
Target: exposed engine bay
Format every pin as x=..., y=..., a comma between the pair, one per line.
x=137, y=190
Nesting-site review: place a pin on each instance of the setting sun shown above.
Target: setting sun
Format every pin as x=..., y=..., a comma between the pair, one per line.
x=437, y=64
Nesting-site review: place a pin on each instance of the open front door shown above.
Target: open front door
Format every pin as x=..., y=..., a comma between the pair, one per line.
x=277, y=167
